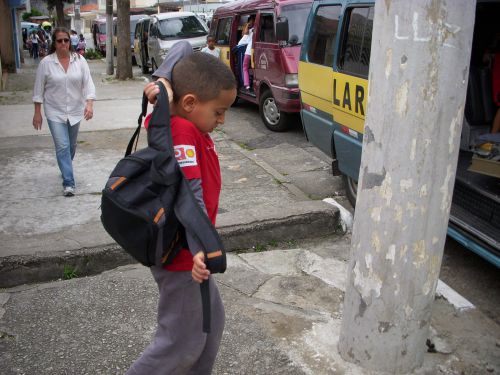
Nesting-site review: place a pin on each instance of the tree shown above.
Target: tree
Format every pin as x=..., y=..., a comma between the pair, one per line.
x=123, y=53
x=59, y=6
x=6, y=44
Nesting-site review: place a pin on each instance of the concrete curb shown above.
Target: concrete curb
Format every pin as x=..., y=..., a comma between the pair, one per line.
x=41, y=267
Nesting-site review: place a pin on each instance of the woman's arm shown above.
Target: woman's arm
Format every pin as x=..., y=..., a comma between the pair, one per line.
x=37, y=117
x=89, y=90
x=38, y=92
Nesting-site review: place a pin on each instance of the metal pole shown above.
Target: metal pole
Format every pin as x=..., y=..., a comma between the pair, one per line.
x=417, y=86
x=109, y=37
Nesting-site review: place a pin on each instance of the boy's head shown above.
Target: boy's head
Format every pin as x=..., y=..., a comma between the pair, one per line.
x=204, y=89
x=210, y=42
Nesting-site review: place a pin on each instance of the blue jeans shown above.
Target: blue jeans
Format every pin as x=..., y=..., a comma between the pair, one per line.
x=64, y=136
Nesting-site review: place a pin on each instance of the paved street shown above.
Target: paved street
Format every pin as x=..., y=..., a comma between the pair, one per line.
x=283, y=289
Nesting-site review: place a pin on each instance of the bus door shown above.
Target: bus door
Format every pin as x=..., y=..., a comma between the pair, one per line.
x=350, y=87
x=316, y=74
x=221, y=30
x=266, y=54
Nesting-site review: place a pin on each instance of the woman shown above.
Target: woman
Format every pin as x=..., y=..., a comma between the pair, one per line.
x=64, y=85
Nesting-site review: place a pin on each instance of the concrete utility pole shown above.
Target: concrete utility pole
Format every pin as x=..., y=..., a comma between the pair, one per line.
x=109, y=38
x=78, y=24
x=417, y=85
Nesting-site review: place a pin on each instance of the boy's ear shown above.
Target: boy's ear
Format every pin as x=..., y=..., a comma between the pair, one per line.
x=188, y=102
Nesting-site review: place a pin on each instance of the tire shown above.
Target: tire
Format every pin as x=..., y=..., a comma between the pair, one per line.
x=351, y=189
x=273, y=118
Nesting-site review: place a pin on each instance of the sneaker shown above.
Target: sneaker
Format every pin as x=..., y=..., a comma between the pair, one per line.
x=69, y=191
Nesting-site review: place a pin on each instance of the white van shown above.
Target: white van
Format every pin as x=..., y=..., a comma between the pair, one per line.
x=165, y=29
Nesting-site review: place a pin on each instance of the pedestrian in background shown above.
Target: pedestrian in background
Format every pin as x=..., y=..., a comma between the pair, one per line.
x=74, y=39
x=64, y=85
x=80, y=47
x=35, y=41
x=211, y=48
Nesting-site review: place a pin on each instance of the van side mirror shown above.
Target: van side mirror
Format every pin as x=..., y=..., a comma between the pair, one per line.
x=282, y=29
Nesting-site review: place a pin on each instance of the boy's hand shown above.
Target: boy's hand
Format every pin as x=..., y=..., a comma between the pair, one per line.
x=151, y=90
x=199, y=272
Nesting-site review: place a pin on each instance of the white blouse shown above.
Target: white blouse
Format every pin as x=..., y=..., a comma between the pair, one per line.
x=63, y=94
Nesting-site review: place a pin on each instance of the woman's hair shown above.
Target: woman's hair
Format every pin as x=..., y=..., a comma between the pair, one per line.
x=56, y=31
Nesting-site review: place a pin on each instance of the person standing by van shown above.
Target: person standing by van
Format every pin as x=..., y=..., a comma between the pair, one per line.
x=248, y=32
x=210, y=48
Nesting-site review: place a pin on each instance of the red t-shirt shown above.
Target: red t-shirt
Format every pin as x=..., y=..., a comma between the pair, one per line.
x=195, y=152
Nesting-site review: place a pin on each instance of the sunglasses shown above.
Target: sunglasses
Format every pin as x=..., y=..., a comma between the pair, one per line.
x=64, y=40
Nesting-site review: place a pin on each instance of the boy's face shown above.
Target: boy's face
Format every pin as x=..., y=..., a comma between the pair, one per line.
x=208, y=115
x=211, y=43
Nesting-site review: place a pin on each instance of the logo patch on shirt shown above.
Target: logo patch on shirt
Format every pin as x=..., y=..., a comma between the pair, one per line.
x=185, y=155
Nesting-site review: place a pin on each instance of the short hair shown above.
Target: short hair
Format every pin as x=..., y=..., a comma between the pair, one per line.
x=210, y=37
x=203, y=75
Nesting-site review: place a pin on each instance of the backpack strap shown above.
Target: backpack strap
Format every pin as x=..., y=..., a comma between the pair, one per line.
x=159, y=134
x=135, y=136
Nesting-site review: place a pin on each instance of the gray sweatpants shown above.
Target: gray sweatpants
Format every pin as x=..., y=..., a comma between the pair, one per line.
x=180, y=346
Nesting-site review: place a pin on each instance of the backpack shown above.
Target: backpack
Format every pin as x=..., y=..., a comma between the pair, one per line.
x=147, y=204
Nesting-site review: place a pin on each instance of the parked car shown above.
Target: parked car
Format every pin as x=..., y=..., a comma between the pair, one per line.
x=165, y=29
x=133, y=22
x=273, y=71
x=141, y=44
x=98, y=28
x=26, y=29
x=333, y=70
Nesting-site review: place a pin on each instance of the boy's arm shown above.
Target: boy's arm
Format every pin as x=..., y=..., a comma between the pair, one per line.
x=195, y=185
x=199, y=271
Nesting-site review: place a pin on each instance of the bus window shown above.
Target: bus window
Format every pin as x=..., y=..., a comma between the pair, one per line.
x=355, y=55
x=223, y=31
x=323, y=34
x=297, y=17
x=266, y=34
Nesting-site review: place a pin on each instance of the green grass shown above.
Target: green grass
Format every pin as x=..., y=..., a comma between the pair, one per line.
x=69, y=272
x=245, y=146
x=260, y=248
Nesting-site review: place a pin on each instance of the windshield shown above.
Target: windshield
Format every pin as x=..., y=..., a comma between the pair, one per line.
x=297, y=17
x=185, y=27
x=102, y=28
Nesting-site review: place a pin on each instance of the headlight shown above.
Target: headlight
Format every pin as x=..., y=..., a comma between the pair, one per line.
x=291, y=80
x=163, y=51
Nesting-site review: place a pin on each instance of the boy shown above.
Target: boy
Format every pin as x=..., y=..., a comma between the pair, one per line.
x=210, y=48
x=204, y=88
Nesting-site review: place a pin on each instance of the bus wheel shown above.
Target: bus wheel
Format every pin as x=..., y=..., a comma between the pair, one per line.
x=269, y=112
x=351, y=189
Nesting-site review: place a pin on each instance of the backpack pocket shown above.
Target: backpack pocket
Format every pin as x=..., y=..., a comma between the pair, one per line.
x=136, y=233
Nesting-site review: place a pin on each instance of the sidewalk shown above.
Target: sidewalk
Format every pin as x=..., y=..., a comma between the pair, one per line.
x=283, y=300
x=42, y=231
x=283, y=315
